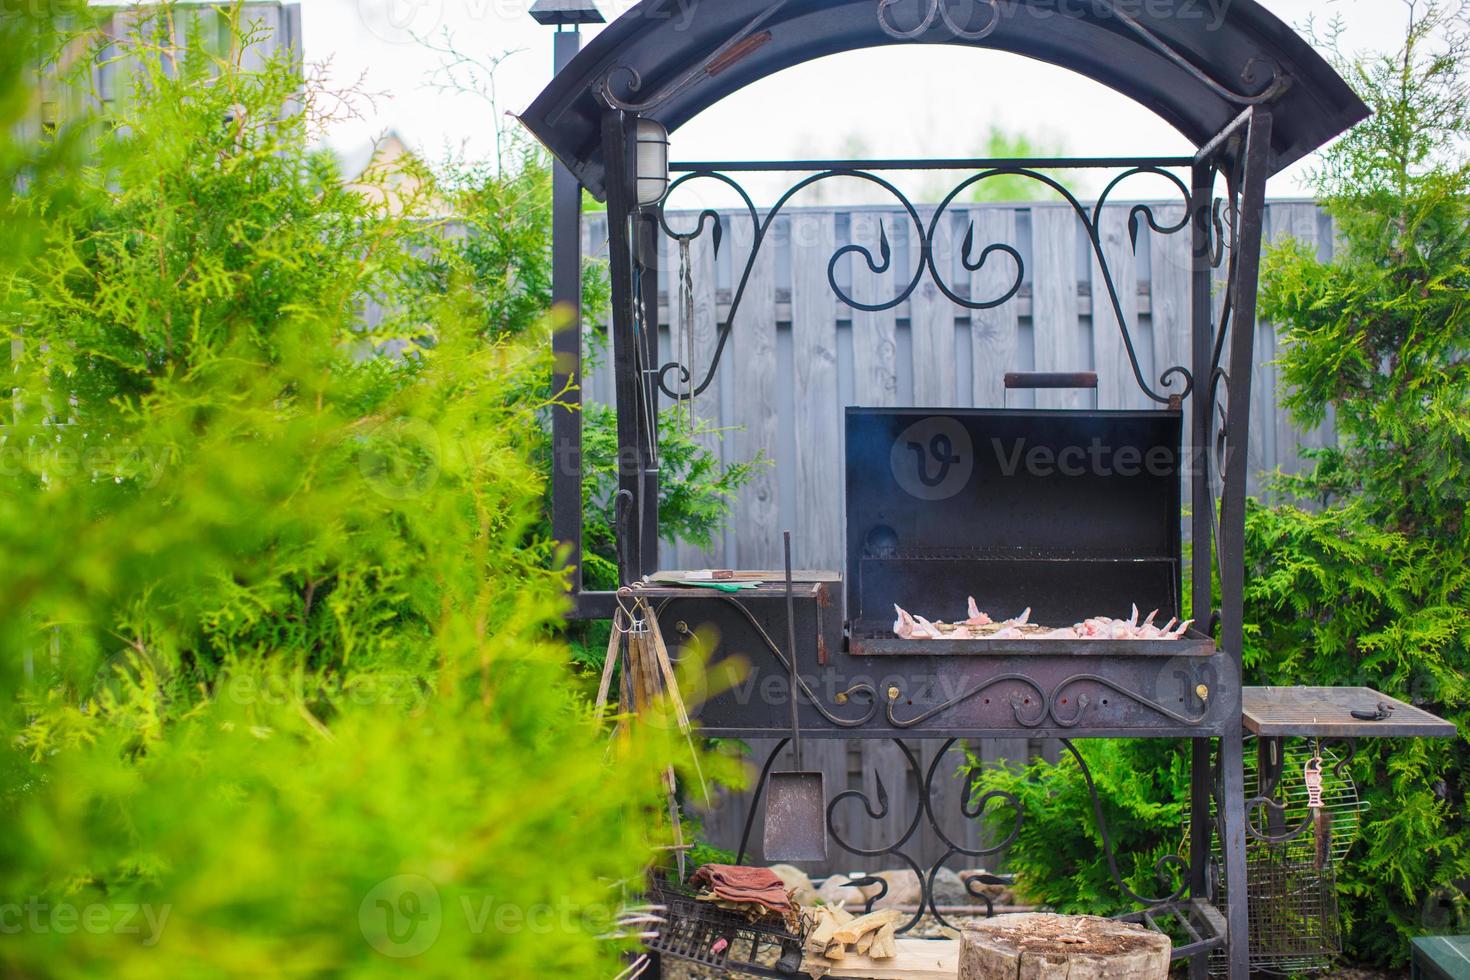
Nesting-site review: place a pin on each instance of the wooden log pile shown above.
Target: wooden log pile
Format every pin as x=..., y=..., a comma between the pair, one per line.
x=835, y=932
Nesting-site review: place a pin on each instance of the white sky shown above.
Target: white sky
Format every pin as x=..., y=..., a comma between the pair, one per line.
x=917, y=100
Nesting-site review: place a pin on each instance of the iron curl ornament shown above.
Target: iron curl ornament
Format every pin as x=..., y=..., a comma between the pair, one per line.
x=975, y=803
x=939, y=11
x=675, y=379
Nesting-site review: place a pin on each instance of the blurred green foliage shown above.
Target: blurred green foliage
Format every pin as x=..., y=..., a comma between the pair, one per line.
x=280, y=681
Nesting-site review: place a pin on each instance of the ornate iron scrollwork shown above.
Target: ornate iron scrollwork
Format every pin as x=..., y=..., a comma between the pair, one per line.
x=925, y=807
x=1161, y=866
x=972, y=807
x=860, y=690
x=1048, y=705
x=938, y=11
x=927, y=261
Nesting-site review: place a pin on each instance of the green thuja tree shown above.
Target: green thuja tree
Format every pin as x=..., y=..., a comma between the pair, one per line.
x=1362, y=578
x=1372, y=586
x=280, y=683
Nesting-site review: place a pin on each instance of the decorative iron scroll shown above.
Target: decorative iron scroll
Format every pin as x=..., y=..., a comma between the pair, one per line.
x=860, y=690
x=1048, y=705
x=972, y=807
x=972, y=257
x=1222, y=229
x=938, y=11
x=924, y=807
x=1161, y=866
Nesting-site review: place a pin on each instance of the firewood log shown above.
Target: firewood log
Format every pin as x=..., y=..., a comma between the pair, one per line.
x=850, y=932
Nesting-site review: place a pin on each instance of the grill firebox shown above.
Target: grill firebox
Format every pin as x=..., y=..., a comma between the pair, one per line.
x=1072, y=514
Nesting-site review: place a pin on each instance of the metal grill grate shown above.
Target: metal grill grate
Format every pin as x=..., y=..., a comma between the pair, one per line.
x=1294, y=923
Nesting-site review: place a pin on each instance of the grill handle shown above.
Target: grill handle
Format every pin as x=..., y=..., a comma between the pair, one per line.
x=1051, y=379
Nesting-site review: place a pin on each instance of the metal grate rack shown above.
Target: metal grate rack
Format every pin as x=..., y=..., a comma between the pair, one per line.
x=1294, y=923
x=692, y=930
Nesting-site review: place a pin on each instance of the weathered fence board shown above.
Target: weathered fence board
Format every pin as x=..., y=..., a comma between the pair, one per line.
x=1116, y=385
x=1062, y=341
x=819, y=521
x=994, y=333
x=797, y=356
x=756, y=516
x=875, y=349
x=932, y=323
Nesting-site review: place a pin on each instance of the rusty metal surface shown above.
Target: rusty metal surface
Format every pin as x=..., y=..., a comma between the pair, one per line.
x=796, y=829
x=1327, y=712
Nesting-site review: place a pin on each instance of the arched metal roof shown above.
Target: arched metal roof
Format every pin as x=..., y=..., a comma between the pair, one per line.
x=1196, y=63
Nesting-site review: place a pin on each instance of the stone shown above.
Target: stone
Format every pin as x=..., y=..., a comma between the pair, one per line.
x=1043, y=946
x=903, y=889
x=838, y=890
x=949, y=889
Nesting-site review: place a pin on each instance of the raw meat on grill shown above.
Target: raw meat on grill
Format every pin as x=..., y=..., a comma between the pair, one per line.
x=979, y=626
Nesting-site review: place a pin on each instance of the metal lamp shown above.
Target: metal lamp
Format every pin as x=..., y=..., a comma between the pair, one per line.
x=653, y=161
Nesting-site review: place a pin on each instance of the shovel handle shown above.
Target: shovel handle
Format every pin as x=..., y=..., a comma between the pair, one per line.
x=791, y=653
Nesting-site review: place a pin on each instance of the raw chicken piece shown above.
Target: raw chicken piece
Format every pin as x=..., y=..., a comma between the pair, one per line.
x=904, y=625
x=979, y=626
x=977, y=618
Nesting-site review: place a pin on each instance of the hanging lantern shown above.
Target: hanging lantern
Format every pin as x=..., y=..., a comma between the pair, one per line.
x=653, y=161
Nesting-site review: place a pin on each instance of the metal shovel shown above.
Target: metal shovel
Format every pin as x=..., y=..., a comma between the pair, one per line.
x=796, y=825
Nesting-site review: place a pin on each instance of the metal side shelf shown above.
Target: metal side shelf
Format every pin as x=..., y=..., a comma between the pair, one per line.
x=1336, y=713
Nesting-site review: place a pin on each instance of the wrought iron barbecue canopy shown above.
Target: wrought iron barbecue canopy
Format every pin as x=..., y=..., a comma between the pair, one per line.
x=1196, y=63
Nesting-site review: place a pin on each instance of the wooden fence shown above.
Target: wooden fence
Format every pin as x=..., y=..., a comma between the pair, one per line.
x=798, y=355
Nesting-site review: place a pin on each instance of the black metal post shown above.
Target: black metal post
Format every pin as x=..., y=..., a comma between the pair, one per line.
x=649, y=240
x=1232, y=522
x=566, y=345
x=1201, y=828
x=618, y=152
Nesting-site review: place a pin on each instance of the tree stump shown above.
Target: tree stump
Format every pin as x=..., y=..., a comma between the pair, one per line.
x=1041, y=946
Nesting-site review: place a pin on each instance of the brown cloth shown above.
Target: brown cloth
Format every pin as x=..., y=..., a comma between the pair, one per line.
x=747, y=886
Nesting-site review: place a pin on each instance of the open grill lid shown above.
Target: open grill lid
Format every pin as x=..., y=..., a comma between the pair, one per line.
x=1073, y=514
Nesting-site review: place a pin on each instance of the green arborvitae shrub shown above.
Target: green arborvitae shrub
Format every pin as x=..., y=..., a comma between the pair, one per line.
x=1372, y=587
x=1363, y=580
x=280, y=687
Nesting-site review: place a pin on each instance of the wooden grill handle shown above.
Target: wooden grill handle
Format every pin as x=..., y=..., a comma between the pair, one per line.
x=1051, y=379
